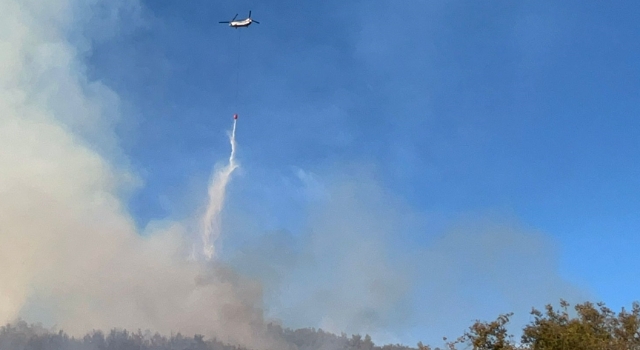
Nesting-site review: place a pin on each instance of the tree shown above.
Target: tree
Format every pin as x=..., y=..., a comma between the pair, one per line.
x=595, y=327
x=490, y=335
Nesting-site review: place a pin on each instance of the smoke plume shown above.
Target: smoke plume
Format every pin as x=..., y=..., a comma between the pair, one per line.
x=70, y=253
x=370, y=263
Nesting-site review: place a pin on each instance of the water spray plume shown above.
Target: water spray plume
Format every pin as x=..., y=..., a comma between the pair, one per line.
x=217, y=189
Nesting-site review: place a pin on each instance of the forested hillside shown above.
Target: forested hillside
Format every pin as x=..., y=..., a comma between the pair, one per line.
x=586, y=326
x=23, y=336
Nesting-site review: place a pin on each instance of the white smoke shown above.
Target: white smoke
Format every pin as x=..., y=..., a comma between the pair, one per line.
x=217, y=191
x=370, y=263
x=70, y=253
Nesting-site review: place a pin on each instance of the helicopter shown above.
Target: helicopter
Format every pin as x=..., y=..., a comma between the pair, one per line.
x=241, y=23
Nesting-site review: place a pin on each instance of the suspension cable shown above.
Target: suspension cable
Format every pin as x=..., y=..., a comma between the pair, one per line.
x=237, y=97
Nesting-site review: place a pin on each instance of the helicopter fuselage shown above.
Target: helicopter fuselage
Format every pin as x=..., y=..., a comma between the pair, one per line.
x=244, y=23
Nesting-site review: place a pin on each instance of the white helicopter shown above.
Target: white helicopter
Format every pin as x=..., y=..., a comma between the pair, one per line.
x=241, y=23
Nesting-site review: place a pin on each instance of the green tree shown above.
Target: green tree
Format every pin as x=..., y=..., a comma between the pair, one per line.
x=595, y=327
x=490, y=335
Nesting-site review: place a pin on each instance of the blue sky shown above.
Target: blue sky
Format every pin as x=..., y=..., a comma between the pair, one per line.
x=521, y=112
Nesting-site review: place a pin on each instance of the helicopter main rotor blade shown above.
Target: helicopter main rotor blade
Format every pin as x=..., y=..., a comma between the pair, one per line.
x=234, y=17
x=249, y=13
x=224, y=22
x=254, y=21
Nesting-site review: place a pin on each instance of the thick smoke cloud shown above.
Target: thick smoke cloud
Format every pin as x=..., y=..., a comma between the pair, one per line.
x=69, y=251
x=360, y=268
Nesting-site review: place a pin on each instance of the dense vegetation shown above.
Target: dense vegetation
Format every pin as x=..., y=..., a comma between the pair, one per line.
x=584, y=327
x=587, y=327
x=23, y=336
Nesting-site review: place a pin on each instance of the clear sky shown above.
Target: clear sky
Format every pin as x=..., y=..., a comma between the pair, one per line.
x=455, y=114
